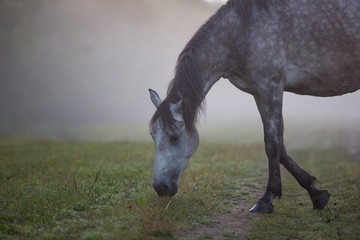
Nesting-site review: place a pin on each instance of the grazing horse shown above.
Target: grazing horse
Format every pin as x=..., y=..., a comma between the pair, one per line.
x=263, y=47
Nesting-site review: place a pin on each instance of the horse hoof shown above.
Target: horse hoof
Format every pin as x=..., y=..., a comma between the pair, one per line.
x=262, y=207
x=321, y=199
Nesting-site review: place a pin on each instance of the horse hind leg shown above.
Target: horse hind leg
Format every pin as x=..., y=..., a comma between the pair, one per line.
x=319, y=197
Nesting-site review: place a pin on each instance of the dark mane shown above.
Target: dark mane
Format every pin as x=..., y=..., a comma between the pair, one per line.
x=188, y=84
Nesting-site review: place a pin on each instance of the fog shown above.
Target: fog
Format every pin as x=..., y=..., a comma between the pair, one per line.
x=81, y=69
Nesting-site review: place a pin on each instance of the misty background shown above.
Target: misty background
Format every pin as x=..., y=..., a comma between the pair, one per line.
x=81, y=69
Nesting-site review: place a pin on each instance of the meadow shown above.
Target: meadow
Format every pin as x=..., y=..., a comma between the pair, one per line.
x=103, y=190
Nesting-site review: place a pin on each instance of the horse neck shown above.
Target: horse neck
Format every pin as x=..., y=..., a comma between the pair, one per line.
x=204, y=61
x=214, y=45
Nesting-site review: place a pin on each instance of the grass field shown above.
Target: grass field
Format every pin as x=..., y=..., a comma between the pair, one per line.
x=94, y=190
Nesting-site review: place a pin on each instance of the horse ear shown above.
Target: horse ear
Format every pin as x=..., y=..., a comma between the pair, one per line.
x=155, y=98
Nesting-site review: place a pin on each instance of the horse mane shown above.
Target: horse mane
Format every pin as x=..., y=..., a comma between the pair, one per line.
x=188, y=82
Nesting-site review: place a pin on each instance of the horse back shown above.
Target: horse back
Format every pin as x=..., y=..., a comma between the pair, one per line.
x=322, y=41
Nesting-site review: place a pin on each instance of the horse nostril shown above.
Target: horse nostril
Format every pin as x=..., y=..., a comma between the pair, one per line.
x=162, y=189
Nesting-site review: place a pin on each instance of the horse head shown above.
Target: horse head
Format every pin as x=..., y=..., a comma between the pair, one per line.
x=174, y=145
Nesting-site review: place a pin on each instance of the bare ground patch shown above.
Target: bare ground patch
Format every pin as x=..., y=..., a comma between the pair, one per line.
x=235, y=222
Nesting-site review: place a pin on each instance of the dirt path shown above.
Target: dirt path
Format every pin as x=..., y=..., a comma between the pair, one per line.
x=234, y=223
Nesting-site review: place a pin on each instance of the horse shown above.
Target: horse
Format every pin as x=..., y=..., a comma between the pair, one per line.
x=263, y=47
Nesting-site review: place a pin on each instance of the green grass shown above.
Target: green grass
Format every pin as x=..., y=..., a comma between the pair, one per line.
x=92, y=190
x=74, y=190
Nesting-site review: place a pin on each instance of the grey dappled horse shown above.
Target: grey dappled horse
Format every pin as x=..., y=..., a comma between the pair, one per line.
x=263, y=47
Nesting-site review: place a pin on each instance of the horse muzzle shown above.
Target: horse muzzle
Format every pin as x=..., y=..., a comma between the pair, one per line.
x=165, y=189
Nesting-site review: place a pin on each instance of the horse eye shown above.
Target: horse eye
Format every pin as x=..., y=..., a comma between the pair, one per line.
x=174, y=139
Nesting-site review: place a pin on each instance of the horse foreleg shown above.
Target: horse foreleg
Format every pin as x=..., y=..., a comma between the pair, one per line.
x=318, y=197
x=270, y=108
